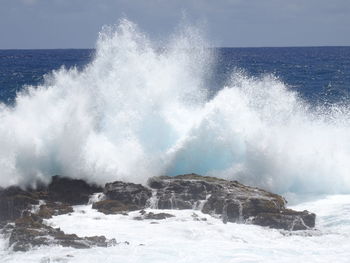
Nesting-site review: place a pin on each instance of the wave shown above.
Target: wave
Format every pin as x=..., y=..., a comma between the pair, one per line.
x=138, y=110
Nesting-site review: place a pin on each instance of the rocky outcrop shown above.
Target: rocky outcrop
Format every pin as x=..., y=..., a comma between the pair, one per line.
x=13, y=201
x=70, y=191
x=131, y=195
x=113, y=207
x=153, y=216
x=232, y=201
x=287, y=219
x=22, y=213
x=229, y=200
x=179, y=192
x=121, y=197
x=157, y=216
x=58, y=198
x=29, y=231
x=50, y=209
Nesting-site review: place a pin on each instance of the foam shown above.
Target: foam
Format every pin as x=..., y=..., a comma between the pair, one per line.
x=184, y=239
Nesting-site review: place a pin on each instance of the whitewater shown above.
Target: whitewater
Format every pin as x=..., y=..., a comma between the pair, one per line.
x=184, y=239
x=138, y=110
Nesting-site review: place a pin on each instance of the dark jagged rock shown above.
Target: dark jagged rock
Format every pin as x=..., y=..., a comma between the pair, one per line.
x=50, y=209
x=13, y=201
x=286, y=219
x=180, y=193
x=59, y=195
x=113, y=207
x=29, y=231
x=129, y=194
x=233, y=201
x=153, y=216
x=157, y=216
x=122, y=197
x=28, y=208
x=70, y=191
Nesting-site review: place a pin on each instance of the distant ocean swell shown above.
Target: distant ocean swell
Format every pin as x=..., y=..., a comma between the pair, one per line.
x=137, y=111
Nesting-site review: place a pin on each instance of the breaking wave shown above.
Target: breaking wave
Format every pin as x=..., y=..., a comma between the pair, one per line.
x=138, y=110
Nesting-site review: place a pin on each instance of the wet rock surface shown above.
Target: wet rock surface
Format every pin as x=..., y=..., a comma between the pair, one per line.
x=50, y=209
x=70, y=191
x=58, y=197
x=286, y=219
x=129, y=194
x=13, y=201
x=153, y=216
x=122, y=197
x=29, y=232
x=22, y=212
x=109, y=207
x=232, y=201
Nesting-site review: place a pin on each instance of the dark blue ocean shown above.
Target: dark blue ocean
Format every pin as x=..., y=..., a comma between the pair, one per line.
x=320, y=75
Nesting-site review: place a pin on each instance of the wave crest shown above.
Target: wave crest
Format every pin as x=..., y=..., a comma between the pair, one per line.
x=138, y=110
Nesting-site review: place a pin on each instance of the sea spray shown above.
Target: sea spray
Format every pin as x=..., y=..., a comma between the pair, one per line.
x=138, y=110
x=259, y=132
x=115, y=119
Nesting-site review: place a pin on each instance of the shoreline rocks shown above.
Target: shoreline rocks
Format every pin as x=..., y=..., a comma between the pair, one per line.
x=135, y=195
x=22, y=211
x=29, y=231
x=70, y=191
x=153, y=216
x=230, y=200
x=58, y=196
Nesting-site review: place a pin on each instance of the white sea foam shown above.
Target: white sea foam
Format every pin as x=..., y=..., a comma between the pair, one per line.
x=185, y=239
x=138, y=111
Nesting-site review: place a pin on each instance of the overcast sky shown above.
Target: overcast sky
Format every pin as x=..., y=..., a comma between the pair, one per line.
x=237, y=23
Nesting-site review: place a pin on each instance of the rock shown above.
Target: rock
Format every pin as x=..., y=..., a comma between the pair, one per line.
x=113, y=207
x=28, y=208
x=158, y=216
x=233, y=201
x=59, y=195
x=129, y=194
x=286, y=219
x=70, y=191
x=50, y=209
x=179, y=192
x=13, y=201
x=230, y=200
x=29, y=231
x=154, y=216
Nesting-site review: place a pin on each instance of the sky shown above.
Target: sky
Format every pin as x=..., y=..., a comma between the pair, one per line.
x=37, y=24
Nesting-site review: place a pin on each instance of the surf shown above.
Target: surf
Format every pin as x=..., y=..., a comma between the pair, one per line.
x=137, y=110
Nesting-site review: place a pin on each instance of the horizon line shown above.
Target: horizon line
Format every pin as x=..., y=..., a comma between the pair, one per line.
x=233, y=47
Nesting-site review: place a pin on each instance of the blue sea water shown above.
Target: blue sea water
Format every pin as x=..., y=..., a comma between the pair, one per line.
x=319, y=74
x=28, y=67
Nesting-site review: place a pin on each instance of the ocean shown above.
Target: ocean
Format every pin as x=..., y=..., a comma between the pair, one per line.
x=318, y=74
x=275, y=118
